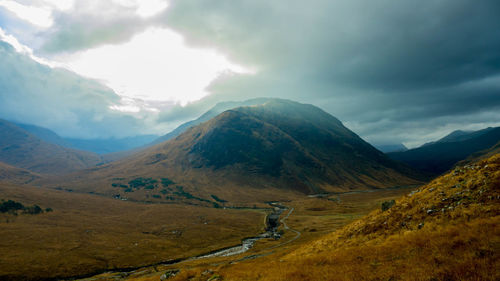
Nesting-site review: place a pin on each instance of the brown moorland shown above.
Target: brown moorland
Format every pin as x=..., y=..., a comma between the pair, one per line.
x=311, y=216
x=16, y=175
x=87, y=234
x=446, y=230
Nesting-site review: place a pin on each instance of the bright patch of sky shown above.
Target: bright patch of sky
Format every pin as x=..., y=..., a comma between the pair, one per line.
x=39, y=16
x=144, y=8
x=153, y=65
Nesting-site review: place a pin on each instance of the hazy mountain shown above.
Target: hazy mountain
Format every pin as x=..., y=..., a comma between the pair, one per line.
x=460, y=135
x=438, y=157
x=22, y=149
x=111, y=145
x=278, y=144
x=100, y=146
x=386, y=148
x=45, y=134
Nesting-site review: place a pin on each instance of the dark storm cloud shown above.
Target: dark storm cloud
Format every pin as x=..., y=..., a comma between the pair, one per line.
x=364, y=61
x=393, y=71
x=91, y=25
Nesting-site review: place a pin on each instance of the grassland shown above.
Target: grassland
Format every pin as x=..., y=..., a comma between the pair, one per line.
x=312, y=217
x=446, y=230
x=86, y=234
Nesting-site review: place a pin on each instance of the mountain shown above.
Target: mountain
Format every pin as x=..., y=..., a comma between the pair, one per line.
x=214, y=111
x=249, y=153
x=460, y=135
x=386, y=148
x=45, y=134
x=445, y=230
x=22, y=149
x=100, y=146
x=111, y=145
x=436, y=158
x=480, y=155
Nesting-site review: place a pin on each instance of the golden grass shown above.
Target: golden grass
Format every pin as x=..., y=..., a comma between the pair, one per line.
x=458, y=243
x=313, y=217
x=86, y=233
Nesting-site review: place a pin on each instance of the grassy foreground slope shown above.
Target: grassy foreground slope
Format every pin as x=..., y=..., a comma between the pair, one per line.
x=446, y=230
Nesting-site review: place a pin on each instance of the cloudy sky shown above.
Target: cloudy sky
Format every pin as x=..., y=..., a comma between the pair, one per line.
x=393, y=71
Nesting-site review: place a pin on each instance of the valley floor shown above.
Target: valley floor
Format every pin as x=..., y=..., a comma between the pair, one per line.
x=305, y=220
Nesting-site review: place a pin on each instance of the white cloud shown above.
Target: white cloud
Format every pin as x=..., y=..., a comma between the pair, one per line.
x=144, y=8
x=154, y=65
x=39, y=16
x=23, y=49
x=61, y=5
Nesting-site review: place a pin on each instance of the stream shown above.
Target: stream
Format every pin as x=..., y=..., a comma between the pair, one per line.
x=272, y=224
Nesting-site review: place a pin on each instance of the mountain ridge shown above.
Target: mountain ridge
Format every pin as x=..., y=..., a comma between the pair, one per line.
x=256, y=148
x=22, y=149
x=440, y=156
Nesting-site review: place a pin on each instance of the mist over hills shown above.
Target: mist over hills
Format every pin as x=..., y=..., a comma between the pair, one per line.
x=277, y=145
x=99, y=146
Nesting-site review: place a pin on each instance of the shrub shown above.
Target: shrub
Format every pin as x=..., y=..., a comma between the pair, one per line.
x=218, y=199
x=142, y=182
x=166, y=182
x=10, y=206
x=386, y=205
x=33, y=210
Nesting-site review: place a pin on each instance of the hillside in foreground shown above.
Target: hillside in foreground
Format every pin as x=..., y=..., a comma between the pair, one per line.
x=445, y=230
x=262, y=152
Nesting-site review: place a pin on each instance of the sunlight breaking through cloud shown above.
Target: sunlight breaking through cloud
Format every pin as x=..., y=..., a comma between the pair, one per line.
x=154, y=65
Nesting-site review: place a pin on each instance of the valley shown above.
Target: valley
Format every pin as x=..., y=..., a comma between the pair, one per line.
x=449, y=228
x=198, y=140
x=304, y=220
x=251, y=187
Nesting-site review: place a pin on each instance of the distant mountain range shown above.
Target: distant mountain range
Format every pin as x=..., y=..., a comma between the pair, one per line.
x=437, y=157
x=386, y=148
x=99, y=146
x=250, y=151
x=22, y=149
